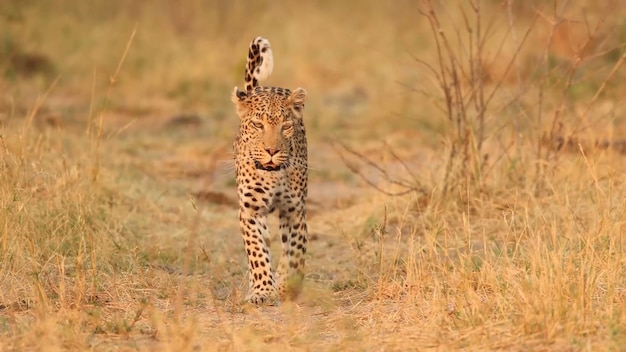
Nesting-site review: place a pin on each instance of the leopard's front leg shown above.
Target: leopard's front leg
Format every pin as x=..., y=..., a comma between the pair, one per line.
x=254, y=228
x=293, y=233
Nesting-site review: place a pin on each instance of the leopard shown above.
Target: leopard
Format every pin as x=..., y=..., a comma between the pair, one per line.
x=270, y=152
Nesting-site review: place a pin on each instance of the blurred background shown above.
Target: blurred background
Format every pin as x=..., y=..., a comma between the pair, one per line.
x=358, y=62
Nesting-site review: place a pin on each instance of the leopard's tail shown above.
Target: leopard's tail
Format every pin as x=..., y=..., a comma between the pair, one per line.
x=260, y=63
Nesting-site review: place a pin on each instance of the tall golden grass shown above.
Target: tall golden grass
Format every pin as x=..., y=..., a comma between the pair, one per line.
x=467, y=180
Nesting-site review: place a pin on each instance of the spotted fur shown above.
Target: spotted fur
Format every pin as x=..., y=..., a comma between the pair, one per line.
x=271, y=165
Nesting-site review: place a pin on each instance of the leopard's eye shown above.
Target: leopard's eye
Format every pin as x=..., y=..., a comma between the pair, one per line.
x=257, y=125
x=287, y=126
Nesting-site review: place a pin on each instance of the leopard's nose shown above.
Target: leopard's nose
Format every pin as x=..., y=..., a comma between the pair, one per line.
x=272, y=151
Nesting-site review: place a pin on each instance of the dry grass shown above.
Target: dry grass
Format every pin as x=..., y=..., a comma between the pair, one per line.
x=117, y=221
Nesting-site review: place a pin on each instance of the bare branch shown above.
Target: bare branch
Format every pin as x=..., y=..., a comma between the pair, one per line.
x=408, y=187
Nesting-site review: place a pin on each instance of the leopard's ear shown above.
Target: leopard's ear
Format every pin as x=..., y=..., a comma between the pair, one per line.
x=239, y=99
x=238, y=95
x=296, y=100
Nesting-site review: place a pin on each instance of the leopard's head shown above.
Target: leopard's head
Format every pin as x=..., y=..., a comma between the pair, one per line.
x=268, y=117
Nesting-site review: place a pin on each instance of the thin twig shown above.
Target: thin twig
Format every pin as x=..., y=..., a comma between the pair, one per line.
x=408, y=187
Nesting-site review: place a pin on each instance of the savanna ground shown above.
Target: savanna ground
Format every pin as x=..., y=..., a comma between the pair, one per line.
x=466, y=182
